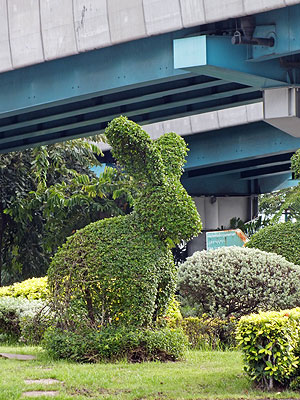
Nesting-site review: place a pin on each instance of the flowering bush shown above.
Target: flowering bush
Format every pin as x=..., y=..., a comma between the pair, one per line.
x=237, y=281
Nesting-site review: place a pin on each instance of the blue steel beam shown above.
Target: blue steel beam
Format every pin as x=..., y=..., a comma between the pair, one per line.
x=56, y=131
x=77, y=96
x=215, y=56
x=87, y=75
x=265, y=172
x=130, y=114
x=238, y=143
x=108, y=105
x=276, y=182
x=232, y=185
x=283, y=160
x=283, y=25
x=218, y=185
x=94, y=130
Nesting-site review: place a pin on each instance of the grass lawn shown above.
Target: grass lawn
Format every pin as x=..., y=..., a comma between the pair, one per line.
x=203, y=375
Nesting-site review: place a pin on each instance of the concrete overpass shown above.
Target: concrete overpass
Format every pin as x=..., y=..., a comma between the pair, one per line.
x=70, y=66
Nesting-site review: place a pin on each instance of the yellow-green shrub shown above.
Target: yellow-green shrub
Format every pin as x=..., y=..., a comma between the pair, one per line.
x=32, y=289
x=269, y=341
x=173, y=310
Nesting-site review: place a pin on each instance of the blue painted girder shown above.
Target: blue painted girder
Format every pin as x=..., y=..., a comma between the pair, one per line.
x=231, y=185
x=283, y=25
x=242, y=160
x=245, y=142
x=215, y=56
x=77, y=96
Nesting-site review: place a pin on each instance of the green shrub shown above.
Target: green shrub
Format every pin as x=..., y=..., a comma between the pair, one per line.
x=111, y=344
x=207, y=333
x=237, y=281
x=121, y=270
x=295, y=383
x=282, y=238
x=270, y=341
x=21, y=319
x=33, y=289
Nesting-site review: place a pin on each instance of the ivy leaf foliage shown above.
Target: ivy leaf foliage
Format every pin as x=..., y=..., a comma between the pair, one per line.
x=163, y=207
x=173, y=151
x=134, y=150
x=120, y=271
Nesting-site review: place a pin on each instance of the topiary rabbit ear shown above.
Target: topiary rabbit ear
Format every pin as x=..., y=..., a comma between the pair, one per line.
x=135, y=150
x=173, y=150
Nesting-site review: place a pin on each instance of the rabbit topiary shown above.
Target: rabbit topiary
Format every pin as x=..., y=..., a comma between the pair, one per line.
x=120, y=270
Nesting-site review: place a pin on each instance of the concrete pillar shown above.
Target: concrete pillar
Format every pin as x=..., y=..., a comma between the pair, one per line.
x=281, y=109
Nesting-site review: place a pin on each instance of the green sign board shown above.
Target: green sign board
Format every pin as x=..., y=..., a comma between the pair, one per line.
x=234, y=237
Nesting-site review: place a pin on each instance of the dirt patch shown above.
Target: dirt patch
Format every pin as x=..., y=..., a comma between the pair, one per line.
x=139, y=355
x=82, y=392
x=99, y=391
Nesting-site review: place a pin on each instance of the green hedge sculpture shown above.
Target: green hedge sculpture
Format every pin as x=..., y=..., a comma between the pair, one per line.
x=120, y=271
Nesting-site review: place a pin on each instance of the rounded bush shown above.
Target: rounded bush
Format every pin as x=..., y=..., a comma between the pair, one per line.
x=237, y=281
x=111, y=344
x=282, y=238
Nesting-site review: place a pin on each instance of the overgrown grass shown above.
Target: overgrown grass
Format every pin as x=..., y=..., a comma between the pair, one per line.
x=202, y=375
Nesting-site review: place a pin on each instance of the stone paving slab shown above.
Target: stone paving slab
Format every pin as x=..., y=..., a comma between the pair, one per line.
x=44, y=381
x=38, y=393
x=23, y=357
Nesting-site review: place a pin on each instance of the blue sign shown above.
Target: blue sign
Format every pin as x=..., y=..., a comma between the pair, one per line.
x=234, y=237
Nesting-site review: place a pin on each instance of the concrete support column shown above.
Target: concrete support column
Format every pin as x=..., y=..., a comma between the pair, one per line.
x=281, y=109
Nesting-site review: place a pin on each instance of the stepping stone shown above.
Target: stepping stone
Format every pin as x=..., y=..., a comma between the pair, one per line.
x=38, y=393
x=23, y=357
x=47, y=381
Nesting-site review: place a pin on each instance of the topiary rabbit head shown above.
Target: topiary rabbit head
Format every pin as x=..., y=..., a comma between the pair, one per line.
x=164, y=207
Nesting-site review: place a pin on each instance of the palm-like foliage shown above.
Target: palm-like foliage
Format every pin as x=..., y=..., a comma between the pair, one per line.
x=46, y=194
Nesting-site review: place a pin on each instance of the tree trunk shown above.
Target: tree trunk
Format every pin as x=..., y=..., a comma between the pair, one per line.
x=89, y=304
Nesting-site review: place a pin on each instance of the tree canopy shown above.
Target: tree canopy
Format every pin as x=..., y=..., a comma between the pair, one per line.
x=46, y=194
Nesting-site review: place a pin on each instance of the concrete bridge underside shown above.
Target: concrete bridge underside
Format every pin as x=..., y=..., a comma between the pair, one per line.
x=68, y=67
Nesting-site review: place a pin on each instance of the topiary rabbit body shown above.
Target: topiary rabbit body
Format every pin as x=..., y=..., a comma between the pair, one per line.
x=120, y=270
